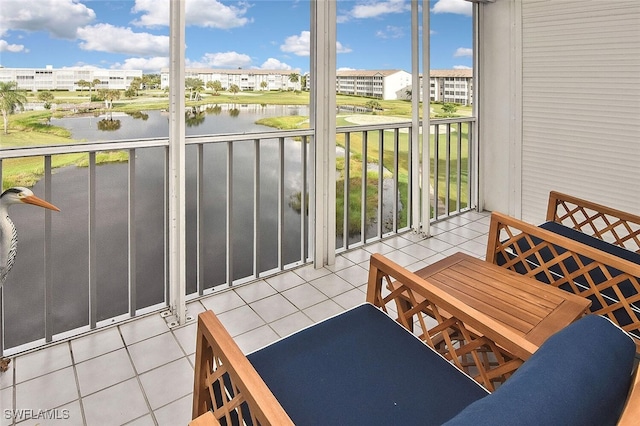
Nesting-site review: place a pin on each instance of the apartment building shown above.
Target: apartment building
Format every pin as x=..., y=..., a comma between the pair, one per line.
x=381, y=84
x=445, y=85
x=49, y=78
x=455, y=86
x=245, y=79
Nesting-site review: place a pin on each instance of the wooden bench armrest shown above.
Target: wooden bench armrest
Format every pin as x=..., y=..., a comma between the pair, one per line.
x=225, y=381
x=538, y=253
x=462, y=334
x=631, y=412
x=615, y=226
x=206, y=419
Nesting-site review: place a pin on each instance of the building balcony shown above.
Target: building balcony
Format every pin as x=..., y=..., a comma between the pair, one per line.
x=537, y=131
x=120, y=360
x=141, y=371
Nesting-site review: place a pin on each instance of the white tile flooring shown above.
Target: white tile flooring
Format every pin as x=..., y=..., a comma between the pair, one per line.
x=141, y=372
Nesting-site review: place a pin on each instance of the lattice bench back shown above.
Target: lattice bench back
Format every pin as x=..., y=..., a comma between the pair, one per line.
x=608, y=224
x=611, y=283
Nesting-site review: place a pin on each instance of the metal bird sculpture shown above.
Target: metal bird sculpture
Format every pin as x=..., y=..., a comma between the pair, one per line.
x=9, y=236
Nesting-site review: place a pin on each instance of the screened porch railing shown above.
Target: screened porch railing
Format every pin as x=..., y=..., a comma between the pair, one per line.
x=247, y=217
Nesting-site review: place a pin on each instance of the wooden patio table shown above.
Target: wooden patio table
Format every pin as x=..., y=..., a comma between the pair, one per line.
x=532, y=309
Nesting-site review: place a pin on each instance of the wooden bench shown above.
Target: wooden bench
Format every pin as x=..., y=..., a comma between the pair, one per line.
x=229, y=390
x=227, y=384
x=612, y=283
x=608, y=224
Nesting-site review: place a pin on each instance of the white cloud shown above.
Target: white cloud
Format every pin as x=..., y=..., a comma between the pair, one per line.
x=460, y=7
x=61, y=18
x=14, y=48
x=152, y=14
x=226, y=60
x=202, y=13
x=274, y=64
x=461, y=67
x=108, y=38
x=463, y=51
x=300, y=45
x=390, y=31
x=154, y=64
x=342, y=49
x=346, y=69
x=373, y=10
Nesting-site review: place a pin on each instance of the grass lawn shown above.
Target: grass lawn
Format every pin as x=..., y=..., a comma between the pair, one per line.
x=388, y=146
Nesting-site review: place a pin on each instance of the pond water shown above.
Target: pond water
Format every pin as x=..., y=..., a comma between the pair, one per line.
x=203, y=120
x=24, y=293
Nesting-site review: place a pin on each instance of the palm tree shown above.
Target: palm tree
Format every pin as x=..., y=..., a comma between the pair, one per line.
x=46, y=97
x=294, y=78
x=195, y=86
x=82, y=84
x=263, y=85
x=10, y=99
x=373, y=105
x=234, y=89
x=109, y=96
x=136, y=84
x=94, y=83
x=216, y=86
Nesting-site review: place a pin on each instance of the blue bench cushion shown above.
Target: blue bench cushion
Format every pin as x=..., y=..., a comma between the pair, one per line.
x=579, y=376
x=363, y=368
x=592, y=241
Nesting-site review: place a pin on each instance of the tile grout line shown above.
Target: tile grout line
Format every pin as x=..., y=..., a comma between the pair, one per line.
x=137, y=375
x=77, y=379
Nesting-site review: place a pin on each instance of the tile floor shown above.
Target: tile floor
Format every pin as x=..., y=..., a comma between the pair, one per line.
x=141, y=372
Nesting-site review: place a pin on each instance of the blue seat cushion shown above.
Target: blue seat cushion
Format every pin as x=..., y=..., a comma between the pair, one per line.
x=363, y=368
x=592, y=241
x=579, y=376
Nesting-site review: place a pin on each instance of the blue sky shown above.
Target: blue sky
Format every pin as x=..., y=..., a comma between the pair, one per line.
x=266, y=34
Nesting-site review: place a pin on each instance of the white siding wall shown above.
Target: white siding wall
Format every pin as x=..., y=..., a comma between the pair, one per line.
x=575, y=115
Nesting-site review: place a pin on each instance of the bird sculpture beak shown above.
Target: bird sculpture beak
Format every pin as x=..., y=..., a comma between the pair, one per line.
x=32, y=199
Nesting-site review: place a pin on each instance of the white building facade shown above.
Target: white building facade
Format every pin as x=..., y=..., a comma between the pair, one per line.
x=381, y=84
x=455, y=86
x=452, y=86
x=49, y=78
x=250, y=79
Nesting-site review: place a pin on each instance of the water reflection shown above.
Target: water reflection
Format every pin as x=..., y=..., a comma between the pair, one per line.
x=202, y=120
x=194, y=117
x=138, y=115
x=109, y=124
